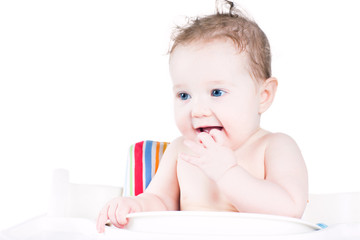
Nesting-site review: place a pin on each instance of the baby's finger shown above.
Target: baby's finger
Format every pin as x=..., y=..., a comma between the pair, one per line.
x=206, y=139
x=112, y=215
x=121, y=216
x=101, y=220
x=218, y=136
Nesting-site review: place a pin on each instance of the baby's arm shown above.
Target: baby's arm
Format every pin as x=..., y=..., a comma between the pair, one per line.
x=161, y=194
x=284, y=191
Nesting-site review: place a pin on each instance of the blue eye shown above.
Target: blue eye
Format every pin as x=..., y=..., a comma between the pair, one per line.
x=217, y=93
x=183, y=96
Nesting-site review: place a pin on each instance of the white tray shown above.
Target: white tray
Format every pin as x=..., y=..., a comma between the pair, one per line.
x=216, y=223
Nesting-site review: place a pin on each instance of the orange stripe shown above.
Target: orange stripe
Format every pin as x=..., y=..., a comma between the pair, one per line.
x=157, y=156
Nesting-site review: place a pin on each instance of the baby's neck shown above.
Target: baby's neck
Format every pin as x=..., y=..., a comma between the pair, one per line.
x=255, y=135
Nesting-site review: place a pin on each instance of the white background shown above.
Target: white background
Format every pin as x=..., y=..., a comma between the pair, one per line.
x=82, y=80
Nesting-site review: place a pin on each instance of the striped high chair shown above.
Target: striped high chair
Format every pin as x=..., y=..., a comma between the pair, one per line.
x=142, y=163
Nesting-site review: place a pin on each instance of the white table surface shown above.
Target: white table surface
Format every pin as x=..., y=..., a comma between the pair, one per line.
x=56, y=228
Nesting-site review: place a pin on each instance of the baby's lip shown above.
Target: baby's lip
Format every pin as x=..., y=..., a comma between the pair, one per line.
x=207, y=129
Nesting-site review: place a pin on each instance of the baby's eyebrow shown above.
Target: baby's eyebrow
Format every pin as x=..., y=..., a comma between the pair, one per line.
x=216, y=82
x=219, y=82
x=178, y=86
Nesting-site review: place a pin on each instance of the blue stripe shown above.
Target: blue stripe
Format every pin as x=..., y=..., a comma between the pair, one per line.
x=148, y=148
x=322, y=225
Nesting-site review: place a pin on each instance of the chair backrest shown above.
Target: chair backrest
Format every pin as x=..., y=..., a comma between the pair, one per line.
x=78, y=200
x=142, y=163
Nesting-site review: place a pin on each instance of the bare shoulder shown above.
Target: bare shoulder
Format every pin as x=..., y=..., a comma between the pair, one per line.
x=274, y=139
x=269, y=140
x=177, y=146
x=173, y=149
x=282, y=154
x=177, y=142
x=165, y=177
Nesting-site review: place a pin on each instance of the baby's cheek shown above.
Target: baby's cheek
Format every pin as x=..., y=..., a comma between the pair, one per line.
x=180, y=125
x=184, y=128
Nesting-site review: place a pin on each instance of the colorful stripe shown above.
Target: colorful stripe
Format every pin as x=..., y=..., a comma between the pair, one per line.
x=138, y=152
x=148, y=175
x=157, y=160
x=143, y=162
x=165, y=146
x=153, y=157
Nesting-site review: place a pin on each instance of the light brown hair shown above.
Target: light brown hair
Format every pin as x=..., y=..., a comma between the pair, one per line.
x=234, y=25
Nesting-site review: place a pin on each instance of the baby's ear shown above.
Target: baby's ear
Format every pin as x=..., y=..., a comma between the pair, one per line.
x=267, y=93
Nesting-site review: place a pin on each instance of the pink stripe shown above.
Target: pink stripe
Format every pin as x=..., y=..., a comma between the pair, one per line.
x=138, y=154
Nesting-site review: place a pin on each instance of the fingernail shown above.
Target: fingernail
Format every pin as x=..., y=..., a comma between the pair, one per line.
x=123, y=221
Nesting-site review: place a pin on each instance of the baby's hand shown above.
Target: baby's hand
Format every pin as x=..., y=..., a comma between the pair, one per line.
x=116, y=211
x=211, y=156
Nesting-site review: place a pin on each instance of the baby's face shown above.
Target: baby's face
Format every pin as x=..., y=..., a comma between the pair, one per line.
x=214, y=90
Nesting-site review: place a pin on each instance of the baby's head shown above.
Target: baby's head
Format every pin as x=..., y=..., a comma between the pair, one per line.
x=220, y=66
x=231, y=24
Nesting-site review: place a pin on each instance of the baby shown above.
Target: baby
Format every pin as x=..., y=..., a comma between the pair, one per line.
x=220, y=67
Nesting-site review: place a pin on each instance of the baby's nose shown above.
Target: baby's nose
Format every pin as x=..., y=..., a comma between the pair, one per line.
x=200, y=110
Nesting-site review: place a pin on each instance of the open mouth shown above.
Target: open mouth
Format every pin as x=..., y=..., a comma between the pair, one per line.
x=208, y=129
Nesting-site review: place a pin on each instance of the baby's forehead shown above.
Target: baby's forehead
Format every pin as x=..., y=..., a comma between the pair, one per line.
x=208, y=60
x=211, y=45
x=221, y=51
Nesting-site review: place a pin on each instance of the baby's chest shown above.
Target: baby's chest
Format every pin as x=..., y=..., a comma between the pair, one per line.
x=194, y=182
